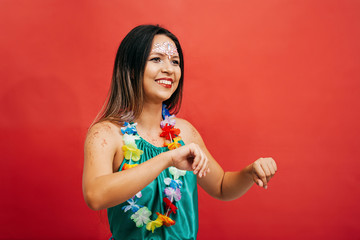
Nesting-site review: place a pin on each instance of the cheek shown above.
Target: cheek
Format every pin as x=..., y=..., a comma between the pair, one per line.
x=178, y=77
x=150, y=70
x=178, y=74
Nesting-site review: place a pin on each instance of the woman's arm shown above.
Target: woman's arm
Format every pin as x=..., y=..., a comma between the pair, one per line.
x=102, y=188
x=228, y=185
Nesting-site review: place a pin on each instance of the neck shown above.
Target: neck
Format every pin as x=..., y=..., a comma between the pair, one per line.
x=150, y=116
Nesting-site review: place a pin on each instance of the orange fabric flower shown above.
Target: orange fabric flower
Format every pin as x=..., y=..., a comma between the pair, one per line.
x=166, y=220
x=128, y=166
x=175, y=144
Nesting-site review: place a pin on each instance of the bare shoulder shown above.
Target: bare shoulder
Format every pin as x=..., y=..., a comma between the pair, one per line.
x=188, y=132
x=103, y=133
x=101, y=150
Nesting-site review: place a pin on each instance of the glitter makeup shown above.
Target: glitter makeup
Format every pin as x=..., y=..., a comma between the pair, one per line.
x=166, y=48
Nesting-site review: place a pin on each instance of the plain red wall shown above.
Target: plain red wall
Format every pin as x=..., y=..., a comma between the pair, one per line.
x=263, y=78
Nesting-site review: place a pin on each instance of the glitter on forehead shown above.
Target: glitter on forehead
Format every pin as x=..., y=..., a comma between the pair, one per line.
x=167, y=48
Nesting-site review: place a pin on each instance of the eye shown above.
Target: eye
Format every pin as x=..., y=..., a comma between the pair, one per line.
x=155, y=59
x=175, y=62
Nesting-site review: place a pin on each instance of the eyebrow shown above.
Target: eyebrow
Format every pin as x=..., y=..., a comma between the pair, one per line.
x=163, y=54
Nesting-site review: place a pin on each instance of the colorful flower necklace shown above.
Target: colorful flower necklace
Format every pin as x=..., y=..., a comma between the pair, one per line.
x=141, y=214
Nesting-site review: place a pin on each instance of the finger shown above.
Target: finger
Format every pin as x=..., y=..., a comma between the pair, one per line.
x=204, y=165
x=198, y=160
x=271, y=168
x=268, y=178
x=261, y=174
x=267, y=172
x=257, y=180
x=273, y=163
x=193, y=152
x=198, y=169
x=207, y=167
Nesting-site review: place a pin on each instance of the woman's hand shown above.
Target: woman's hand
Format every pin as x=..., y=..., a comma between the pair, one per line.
x=190, y=158
x=263, y=170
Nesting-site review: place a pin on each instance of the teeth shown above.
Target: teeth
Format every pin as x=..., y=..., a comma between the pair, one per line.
x=167, y=82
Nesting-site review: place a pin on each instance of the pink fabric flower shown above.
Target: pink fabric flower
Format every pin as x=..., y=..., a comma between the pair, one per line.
x=168, y=120
x=172, y=194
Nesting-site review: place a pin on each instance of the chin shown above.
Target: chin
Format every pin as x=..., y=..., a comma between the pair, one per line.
x=166, y=95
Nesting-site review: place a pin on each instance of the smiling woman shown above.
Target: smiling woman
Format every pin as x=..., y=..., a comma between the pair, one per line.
x=162, y=70
x=126, y=95
x=137, y=165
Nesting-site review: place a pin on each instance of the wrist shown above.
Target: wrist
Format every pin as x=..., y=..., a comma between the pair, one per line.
x=168, y=158
x=248, y=171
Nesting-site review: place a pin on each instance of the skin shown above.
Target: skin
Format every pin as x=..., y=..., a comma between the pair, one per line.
x=104, y=186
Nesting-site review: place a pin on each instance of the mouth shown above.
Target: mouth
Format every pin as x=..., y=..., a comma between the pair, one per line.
x=165, y=82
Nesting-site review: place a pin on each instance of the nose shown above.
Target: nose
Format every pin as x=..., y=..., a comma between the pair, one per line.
x=167, y=67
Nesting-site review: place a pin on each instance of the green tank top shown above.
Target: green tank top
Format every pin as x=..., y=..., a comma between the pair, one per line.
x=186, y=217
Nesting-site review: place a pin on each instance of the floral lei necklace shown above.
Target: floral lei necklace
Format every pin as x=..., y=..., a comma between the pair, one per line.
x=141, y=214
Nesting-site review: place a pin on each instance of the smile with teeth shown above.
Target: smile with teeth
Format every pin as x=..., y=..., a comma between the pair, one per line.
x=164, y=82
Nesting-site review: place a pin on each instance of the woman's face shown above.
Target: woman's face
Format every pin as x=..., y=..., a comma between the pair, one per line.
x=162, y=70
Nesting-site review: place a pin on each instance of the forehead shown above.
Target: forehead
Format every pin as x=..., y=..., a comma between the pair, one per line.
x=163, y=44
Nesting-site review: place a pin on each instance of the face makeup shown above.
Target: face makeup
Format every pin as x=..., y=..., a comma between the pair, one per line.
x=167, y=48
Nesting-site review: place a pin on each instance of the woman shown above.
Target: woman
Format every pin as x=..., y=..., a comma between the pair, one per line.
x=135, y=159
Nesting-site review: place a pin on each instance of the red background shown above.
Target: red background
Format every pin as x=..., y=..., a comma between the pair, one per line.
x=262, y=78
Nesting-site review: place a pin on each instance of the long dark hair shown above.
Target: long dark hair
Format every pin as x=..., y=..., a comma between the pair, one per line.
x=126, y=94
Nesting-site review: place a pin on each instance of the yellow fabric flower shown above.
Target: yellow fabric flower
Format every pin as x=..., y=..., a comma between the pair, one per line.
x=154, y=224
x=175, y=144
x=132, y=152
x=161, y=220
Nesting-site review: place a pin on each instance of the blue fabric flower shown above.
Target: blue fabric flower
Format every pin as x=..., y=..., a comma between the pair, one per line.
x=165, y=111
x=129, y=128
x=173, y=183
x=132, y=206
